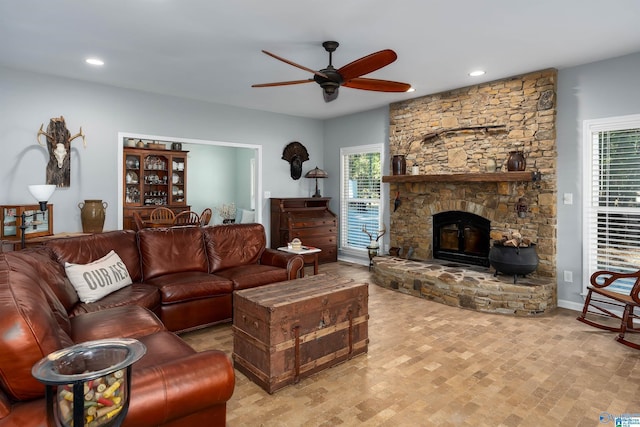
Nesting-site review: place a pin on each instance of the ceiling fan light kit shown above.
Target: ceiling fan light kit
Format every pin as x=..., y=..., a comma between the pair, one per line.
x=330, y=79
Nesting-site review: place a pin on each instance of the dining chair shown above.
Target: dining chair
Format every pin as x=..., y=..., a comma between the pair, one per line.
x=205, y=217
x=187, y=218
x=138, y=221
x=162, y=213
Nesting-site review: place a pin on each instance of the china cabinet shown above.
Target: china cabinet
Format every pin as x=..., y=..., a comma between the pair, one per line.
x=153, y=178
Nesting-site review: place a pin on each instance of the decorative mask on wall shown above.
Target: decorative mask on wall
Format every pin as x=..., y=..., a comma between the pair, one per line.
x=295, y=153
x=59, y=145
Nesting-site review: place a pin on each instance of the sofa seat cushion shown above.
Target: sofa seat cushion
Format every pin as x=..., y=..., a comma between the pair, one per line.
x=190, y=285
x=129, y=321
x=172, y=381
x=250, y=276
x=141, y=294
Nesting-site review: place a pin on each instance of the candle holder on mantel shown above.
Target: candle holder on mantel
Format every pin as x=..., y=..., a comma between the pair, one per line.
x=88, y=384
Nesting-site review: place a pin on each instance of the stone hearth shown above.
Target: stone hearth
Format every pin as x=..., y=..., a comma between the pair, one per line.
x=466, y=286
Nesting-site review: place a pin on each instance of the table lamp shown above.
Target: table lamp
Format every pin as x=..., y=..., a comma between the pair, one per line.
x=42, y=193
x=317, y=173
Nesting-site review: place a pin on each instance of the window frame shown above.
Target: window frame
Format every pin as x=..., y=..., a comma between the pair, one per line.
x=589, y=236
x=344, y=220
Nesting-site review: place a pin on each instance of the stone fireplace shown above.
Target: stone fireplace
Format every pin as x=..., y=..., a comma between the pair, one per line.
x=460, y=141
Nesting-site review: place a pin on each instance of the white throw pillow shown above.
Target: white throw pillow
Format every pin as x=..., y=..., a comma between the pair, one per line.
x=247, y=217
x=99, y=278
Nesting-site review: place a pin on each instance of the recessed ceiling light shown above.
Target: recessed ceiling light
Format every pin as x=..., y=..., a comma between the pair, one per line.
x=476, y=73
x=94, y=61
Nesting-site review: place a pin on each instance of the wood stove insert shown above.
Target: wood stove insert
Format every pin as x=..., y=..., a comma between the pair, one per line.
x=461, y=236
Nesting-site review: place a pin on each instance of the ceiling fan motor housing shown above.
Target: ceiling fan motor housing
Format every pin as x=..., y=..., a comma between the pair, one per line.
x=333, y=81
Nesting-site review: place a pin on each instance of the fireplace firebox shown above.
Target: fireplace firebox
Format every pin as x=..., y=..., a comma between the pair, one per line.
x=461, y=236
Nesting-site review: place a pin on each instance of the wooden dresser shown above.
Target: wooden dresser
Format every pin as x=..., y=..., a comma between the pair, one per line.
x=308, y=219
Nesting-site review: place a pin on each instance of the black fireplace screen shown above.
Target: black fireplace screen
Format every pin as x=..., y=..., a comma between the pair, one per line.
x=461, y=236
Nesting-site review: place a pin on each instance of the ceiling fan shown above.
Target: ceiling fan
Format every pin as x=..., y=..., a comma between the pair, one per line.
x=349, y=75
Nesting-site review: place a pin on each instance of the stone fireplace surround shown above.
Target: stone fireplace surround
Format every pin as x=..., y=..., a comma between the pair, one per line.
x=453, y=176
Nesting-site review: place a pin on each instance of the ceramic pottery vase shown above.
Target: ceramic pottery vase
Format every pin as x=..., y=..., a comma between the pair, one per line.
x=399, y=165
x=92, y=214
x=516, y=161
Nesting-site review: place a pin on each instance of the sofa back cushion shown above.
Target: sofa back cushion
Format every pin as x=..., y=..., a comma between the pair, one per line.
x=29, y=326
x=234, y=244
x=86, y=249
x=171, y=250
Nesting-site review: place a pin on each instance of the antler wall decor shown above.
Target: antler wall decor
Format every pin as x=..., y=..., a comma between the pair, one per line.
x=59, y=145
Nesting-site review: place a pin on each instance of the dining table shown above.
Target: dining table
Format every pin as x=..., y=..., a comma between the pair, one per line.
x=158, y=223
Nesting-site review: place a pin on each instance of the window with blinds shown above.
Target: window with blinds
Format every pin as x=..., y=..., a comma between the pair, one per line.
x=361, y=178
x=612, y=197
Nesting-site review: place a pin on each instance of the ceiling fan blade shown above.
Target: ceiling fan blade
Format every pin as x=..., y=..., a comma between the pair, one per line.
x=302, y=67
x=377, y=85
x=367, y=64
x=328, y=97
x=291, y=82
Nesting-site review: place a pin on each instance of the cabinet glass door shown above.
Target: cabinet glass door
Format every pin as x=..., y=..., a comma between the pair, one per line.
x=156, y=180
x=132, y=179
x=178, y=180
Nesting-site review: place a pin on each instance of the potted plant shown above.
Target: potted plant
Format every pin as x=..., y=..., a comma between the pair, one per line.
x=227, y=213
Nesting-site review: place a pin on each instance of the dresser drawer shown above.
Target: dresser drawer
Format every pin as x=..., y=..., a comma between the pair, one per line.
x=302, y=233
x=312, y=222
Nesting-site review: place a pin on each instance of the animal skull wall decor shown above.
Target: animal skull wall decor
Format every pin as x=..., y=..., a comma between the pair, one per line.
x=59, y=146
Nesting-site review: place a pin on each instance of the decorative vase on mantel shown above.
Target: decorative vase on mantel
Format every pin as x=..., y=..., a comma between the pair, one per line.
x=399, y=164
x=516, y=161
x=92, y=214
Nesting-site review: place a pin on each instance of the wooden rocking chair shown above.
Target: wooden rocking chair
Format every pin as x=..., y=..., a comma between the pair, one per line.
x=601, y=304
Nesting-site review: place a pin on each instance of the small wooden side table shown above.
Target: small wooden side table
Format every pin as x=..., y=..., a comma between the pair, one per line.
x=309, y=254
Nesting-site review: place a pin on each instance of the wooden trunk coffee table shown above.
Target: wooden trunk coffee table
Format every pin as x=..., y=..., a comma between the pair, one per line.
x=289, y=330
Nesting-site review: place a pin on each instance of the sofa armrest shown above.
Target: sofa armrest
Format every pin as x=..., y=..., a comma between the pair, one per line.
x=180, y=388
x=292, y=262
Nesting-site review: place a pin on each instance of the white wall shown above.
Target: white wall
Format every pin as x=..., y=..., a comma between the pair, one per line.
x=369, y=127
x=30, y=99
x=592, y=91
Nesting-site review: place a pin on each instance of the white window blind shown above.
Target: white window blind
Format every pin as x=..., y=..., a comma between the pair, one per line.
x=612, y=211
x=361, y=177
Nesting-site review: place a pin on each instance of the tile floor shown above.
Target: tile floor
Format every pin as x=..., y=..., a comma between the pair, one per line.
x=429, y=364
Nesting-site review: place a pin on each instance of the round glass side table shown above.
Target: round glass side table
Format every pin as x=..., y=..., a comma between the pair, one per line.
x=88, y=384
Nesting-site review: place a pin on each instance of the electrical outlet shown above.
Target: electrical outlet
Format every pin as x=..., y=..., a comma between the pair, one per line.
x=568, y=276
x=567, y=198
x=267, y=194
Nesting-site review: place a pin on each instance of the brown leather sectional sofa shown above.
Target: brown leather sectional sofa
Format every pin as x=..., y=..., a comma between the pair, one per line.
x=183, y=278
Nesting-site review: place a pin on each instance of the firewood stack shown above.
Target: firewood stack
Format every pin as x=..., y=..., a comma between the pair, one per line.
x=515, y=240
